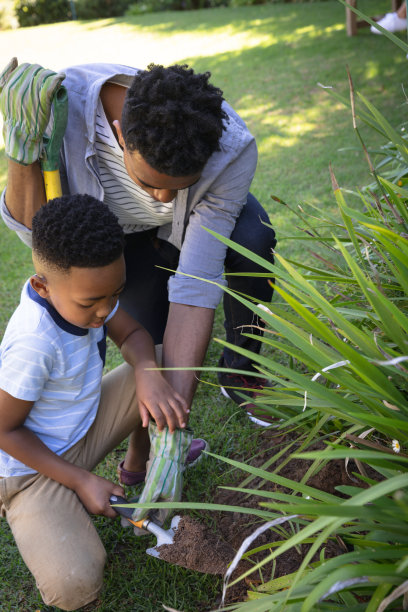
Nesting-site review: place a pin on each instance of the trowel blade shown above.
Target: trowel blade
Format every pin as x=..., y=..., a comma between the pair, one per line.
x=153, y=552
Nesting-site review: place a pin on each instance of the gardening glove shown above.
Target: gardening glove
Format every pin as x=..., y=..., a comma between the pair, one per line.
x=164, y=471
x=26, y=94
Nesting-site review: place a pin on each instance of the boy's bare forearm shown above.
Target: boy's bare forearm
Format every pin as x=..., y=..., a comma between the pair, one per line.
x=138, y=350
x=94, y=491
x=25, y=446
x=25, y=192
x=134, y=342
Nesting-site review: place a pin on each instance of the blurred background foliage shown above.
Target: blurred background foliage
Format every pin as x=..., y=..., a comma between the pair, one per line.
x=27, y=13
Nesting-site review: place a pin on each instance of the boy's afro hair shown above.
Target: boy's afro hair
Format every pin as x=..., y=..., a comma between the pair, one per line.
x=173, y=118
x=76, y=230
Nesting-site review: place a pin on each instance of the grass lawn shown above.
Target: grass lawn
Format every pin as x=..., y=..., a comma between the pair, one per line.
x=268, y=60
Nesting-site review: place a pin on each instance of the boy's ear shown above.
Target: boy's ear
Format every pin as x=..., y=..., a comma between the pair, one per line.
x=40, y=285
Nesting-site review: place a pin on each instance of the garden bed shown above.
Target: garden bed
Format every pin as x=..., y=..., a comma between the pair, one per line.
x=212, y=549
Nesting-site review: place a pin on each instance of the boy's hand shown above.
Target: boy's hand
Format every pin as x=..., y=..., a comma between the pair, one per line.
x=95, y=491
x=26, y=94
x=158, y=400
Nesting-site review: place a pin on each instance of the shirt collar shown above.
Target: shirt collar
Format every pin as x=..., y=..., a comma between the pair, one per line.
x=56, y=317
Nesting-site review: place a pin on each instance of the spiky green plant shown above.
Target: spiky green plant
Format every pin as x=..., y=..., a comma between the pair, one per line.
x=337, y=352
x=345, y=337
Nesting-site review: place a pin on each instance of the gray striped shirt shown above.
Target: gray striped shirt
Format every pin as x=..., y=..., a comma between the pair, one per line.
x=135, y=208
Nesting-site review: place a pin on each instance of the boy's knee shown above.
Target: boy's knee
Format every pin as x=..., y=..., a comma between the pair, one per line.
x=76, y=587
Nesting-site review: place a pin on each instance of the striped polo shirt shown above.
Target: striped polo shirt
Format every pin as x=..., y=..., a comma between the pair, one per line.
x=136, y=210
x=58, y=366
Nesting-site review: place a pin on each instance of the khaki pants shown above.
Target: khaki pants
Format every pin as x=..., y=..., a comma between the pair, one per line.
x=53, y=531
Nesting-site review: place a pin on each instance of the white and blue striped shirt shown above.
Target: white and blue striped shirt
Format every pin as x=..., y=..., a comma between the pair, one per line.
x=58, y=366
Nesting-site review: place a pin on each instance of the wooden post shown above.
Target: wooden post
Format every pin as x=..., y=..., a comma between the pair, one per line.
x=352, y=24
x=351, y=19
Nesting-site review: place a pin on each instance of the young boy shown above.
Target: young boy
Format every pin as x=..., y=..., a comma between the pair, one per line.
x=58, y=418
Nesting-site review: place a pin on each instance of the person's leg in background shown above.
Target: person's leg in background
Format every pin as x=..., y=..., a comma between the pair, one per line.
x=393, y=22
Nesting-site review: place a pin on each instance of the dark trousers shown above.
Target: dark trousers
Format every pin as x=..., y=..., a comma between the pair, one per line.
x=146, y=296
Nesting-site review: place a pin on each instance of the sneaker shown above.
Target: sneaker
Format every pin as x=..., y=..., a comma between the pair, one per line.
x=195, y=452
x=390, y=22
x=233, y=386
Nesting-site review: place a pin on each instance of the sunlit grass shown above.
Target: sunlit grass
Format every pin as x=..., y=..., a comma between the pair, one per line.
x=268, y=61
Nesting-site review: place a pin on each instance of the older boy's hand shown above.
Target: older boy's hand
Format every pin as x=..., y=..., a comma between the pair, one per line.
x=95, y=491
x=158, y=400
x=26, y=94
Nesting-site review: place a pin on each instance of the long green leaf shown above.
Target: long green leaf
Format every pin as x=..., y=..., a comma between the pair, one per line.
x=354, y=453
x=393, y=189
x=187, y=505
x=386, y=572
x=359, y=363
x=347, y=513
x=340, y=406
x=392, y=319
x=355, y=335
x=272, y=477
x=349, y=225
x=386, y=126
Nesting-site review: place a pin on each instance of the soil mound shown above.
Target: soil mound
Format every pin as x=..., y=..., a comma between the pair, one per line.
x=198, y=548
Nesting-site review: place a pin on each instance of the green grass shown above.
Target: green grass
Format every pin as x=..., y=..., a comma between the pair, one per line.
x=268, y=60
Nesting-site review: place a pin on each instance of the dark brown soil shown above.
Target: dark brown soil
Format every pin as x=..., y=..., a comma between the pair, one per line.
x=198, y=548
x=208, y=550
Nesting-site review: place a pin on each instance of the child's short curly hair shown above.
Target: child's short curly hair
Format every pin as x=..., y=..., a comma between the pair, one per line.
x=76, y=231
x=173, y=118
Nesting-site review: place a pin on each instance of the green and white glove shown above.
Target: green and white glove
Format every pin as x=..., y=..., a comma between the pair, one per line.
x=26, y=94
x=164, y=470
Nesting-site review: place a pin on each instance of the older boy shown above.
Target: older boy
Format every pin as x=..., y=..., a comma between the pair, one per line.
x=57, y=421
x=169, y=156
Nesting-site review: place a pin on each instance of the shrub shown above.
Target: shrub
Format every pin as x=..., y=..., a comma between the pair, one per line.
x=100, y=9
x=151, y=6
x=37, y=12
x=7, y=17
x=3, y=20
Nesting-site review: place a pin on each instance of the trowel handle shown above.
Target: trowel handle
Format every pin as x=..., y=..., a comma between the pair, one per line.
x=163, y=536
x=142, y=524
x=52, y=145
x=127, y=512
